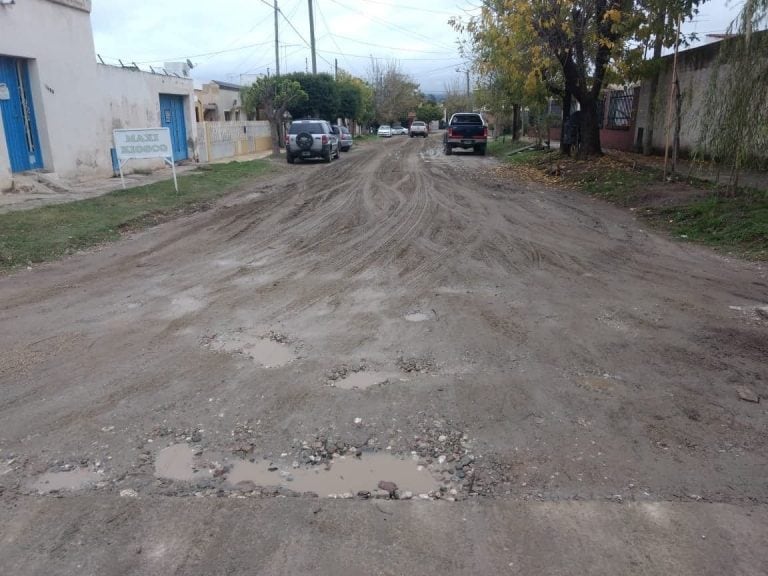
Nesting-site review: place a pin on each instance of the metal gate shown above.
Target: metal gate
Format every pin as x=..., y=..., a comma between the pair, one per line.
x=172, y=117
x=19, y=115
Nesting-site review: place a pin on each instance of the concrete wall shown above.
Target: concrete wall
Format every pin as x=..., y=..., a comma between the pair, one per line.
x=694, y=70
x=131, y=99
x=77, y=102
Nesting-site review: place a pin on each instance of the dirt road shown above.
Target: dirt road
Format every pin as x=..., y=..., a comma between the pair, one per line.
x=393, y=364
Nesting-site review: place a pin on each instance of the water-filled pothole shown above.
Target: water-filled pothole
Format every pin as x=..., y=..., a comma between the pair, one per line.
x=177, y=462
x=72, y=480
x=268, y=352
x=362, y=380
x=344, y=475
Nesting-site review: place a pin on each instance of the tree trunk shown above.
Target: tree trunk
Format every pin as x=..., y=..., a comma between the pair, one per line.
x=590, y=129
x=515, y=122
x=565, y=142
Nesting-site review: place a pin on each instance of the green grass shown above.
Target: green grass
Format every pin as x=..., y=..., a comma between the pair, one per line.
x=733, y=223
x=503, y=148
x=50, y=232
x=616, y=184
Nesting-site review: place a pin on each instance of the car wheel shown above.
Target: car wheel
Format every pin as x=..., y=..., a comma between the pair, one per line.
x=448, y=150
x=290, y=158
x=328, y=156
x=338, y=153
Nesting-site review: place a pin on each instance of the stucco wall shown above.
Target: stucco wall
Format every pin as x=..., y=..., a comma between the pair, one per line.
x=77, y=101
x=57, y=39
x=694, y=71
x=131, y=99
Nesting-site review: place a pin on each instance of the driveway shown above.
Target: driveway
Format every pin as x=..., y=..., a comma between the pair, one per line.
x=397, y=363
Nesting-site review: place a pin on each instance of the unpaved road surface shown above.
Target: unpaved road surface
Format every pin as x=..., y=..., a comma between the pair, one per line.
x=515, y=380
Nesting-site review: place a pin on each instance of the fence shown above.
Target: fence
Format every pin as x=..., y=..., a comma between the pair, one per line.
x=220, y=140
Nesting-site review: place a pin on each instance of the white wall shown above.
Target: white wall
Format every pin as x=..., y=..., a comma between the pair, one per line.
x=77, y=101
x=131, y=99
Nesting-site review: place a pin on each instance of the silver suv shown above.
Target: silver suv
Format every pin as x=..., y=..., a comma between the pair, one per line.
x=311, y=139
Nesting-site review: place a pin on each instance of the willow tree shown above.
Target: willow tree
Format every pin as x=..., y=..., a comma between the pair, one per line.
x=734, y=123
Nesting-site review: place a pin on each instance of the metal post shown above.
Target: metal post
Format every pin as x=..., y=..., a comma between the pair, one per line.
x=312, y=37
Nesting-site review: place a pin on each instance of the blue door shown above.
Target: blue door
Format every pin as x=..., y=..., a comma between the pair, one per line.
x=172, y=117
x=18, y=115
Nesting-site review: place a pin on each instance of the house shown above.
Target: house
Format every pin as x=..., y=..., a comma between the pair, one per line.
x=58, y=106
x=219, y=101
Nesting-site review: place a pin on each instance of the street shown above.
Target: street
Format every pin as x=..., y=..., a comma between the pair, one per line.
x=397, y=363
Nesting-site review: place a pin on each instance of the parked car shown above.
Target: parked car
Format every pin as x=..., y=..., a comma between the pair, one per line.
x=399, y=131
x=344, y=136
x=466, y=130
x=385, y=131
x=419, y=128
x=311, y=139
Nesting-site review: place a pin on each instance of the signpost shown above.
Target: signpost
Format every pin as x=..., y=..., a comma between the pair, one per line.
x=143, y=144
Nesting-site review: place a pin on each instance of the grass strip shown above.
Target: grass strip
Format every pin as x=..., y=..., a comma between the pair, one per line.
x=50, y=232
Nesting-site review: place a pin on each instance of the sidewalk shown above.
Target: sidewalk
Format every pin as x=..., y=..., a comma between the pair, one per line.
x=35, y=189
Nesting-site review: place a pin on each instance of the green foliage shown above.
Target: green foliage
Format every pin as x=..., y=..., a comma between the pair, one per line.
x=50, y=232
x=322, y=100
x=429, y=112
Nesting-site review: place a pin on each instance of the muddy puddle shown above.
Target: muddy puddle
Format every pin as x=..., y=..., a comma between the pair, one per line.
x=177, y=462
x=264, y=351
x=346, y=475
x=77, y=479
x=362, y=380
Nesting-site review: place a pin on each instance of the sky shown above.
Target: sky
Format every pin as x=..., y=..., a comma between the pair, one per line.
x=232, y=40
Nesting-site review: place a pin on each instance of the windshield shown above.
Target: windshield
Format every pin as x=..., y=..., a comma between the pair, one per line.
x=311, y=127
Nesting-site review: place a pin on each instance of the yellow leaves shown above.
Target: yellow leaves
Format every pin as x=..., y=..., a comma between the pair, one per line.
x=612, y=15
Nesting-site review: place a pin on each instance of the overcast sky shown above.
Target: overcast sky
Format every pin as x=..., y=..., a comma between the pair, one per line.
x=225, y=39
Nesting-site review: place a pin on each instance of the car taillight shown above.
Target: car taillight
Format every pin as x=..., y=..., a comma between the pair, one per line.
x=450, y=132
x=485, y=131
x=287, y=139
x=325, y=139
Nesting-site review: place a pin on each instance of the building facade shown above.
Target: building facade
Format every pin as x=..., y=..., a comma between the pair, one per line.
x=58, y=107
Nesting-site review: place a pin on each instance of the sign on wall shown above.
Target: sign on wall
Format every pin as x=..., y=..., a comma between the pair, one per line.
x=144, y=144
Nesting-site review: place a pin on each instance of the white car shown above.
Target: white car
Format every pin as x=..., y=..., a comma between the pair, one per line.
x=384, y=131
x=399, y=131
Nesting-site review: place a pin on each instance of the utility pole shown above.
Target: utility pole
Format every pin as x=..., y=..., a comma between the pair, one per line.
x=336, y=69
x=277, y=46
x=312, y=37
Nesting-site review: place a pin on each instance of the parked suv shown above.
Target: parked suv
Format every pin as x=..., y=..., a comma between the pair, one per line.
x=344, y=136
x=311, y=139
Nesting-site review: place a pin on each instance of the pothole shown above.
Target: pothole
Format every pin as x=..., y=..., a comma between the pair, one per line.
x=272, y=351
x=418, y=317
x=363, y=380
x=343, y=476
x=177, y=462
x=76, y=479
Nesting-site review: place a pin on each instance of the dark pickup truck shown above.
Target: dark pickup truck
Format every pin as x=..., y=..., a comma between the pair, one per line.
x=466, y=130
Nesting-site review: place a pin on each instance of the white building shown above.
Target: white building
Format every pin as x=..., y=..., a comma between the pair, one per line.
x=58, y=107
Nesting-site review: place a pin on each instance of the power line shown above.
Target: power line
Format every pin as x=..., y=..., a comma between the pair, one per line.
x=392, y=26
x=401, y=7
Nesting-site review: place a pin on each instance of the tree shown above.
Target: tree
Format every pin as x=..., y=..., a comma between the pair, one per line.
x=274, y=95
x=322, y=96
x=456, y=98
x=734, y=126
x=429, y=111
x=394, y=93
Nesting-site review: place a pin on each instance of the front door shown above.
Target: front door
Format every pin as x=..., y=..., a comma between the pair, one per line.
x=18, y=115
x=172, y=117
